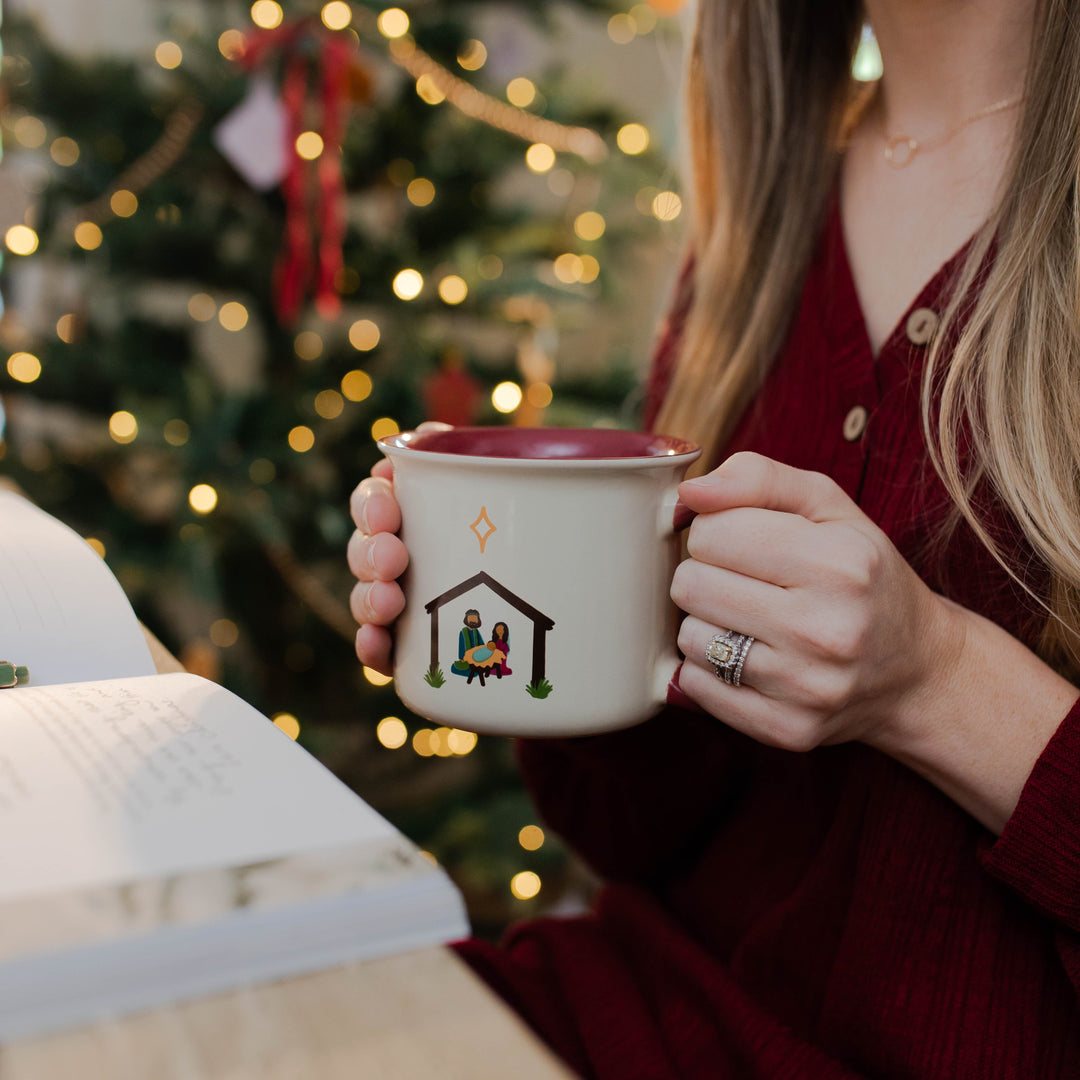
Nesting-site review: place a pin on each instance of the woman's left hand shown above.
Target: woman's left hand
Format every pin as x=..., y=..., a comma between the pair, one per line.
x=848, y=640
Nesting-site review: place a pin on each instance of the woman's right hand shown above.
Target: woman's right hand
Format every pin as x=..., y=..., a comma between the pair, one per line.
x=377, y=557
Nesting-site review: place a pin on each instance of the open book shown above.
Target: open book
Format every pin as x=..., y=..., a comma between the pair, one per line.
x=159, y=839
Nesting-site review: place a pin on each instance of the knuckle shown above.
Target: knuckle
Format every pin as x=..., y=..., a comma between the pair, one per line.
x=360, y=602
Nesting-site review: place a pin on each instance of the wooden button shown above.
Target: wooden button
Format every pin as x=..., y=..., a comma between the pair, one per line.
x=855, y=423
x=922, y=325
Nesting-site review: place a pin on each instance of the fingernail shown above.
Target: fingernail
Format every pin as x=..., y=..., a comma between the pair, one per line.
x=370, y=545
x=363, y=515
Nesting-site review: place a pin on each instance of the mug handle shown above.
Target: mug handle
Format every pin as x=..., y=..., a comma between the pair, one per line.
x=681, y=517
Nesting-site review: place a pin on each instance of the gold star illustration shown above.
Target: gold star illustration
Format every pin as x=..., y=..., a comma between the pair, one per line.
x=483, y=519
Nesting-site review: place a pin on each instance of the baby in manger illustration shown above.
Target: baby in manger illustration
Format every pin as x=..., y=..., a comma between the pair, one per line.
x=480, y=658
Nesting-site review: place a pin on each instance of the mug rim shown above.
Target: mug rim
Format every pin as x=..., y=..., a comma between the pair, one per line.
x=537, y=447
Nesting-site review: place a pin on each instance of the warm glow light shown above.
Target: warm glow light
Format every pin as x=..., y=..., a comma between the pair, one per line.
x=288, y=723
x=301, y=438
x=461, y=742
x=429, y=91
x=525, y=885
x=309, y=145
x=421, y=742
x=490, y=267
x=329, y=404
x=645, y=18
x=308, y=345
x=30, y=132
x=123, y=427
x=392, y=732
x=233, y=315
x=521, y=92
x=176, y=432
x=539, y=395
x=420, y=191
x=224, y=633
x=590, y=269
x=97, y=545
x=384, y=427
x=64, y=151
x=376, y=678
x=589, y=225
x=622, y=29
x=666, y=206
x=88, y=235
x=393, y=23
x=540, y=157
x=123, y=203
x=568, y=268
x=408, y=284
x=356, y=385
x=452, y=289
x=439, y=743
x=201, y=307
x=262, y=471
x=561, y=182
x=231, y=44
x=266, y=14
x=21, y=240
x=473, y=55
x=633, y=138
x=202, y=498
x=65, y=328
x=169, y=55
x=363, y=336
x=506, y=397
x=336, y=15
x=24, y=367
x=531, y=838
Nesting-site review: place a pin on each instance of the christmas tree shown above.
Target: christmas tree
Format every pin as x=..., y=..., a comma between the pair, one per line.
x=285, y=233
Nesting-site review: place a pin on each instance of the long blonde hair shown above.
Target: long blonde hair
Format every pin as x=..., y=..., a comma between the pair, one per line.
x=769, y=88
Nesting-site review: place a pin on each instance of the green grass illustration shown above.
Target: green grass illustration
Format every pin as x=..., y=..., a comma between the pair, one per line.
x=434, y=676
x=539, y=689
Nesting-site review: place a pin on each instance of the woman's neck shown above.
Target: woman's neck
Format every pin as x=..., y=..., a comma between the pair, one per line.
x=945, y=60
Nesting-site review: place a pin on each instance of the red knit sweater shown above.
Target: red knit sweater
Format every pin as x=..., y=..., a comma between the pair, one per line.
x=825, y=915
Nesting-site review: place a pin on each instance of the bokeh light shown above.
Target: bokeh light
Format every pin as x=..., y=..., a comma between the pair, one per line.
x=123, y=427
x=64, y=151
x=408, y=284
x=65, y=328
x=531, y=837
x=461, y=742
x=589, y=225
x=287, y=723
x=224, y=633
x=30, y=132
x=301, y=438
x=356, y=385
x=169, y=55
x=667, y=206
x=267, y=14
x=233, y=316
x=384, y=427
x=123, y=203
x=622, y=29
x=97, y=545
x=202, y=498
x=202, y=307
x=88, y=235
x=420, y=191
x=21, y=240
x=231, y=44
x=521, y=92
x=452, y=289
x=309, y=145
x=24, y=367
x=429, y=90
x=336, y=15
x=525, y=885
x=392, y=732
x=633, y=138
x=376, y=678
x=540, y=157
x=176, y=432
x=393, y=23
x=364, y=335
x=329, y=404
x=506, y=397
x=473, y=55
x=308, y=345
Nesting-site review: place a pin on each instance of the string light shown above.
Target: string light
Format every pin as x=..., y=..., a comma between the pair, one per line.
x=622, y=29
x=421, y=742
x=376, y=678
x=308, y=345
x=287, y=723
x=408, y=284
x=439, y=743
x=356, y=385
x=123, y=427
x=384, y=427
x=88, y=236
x=590, y=269
x=531, y=838
x=506, y=397
x=24, y=367
x=329, y=404
x=666, y=206
x=169, y=55
x=30, y=132
x=539, y=395
x=540, y=157
x=632, y=139
x=224, y=633
x=525, y=885
x=202, y=498
x=590, y=225
x=309, y=145
x=21, y=240
x=392, y=732
x=65, y=328
x=231, y=44
x=301, y=438
x=176, y=432
x=123, y=203
x=267, y=14
x=473, y=55
x=64, y=151
x=364, y=335
x=461, y=742
x=568, y=268
x=521, y=92
x=393, y=23
x=97, y=546
x=336, y=15
x=420, y=191
x=429, y=91
x=452, y=289
x=645, y=18
x=233, y=316
x=201, y=307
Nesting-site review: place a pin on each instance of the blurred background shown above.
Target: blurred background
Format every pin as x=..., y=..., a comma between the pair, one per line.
x=240, y=243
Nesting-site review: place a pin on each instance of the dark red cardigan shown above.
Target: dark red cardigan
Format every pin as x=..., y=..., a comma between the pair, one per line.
x=822, y=915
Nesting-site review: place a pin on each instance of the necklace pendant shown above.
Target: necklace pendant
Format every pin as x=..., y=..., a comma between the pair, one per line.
x=900, y=150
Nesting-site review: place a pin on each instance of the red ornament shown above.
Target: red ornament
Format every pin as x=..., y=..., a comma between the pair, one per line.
x=452, y=395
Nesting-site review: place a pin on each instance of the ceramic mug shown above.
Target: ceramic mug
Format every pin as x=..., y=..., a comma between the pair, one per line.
x=540, y=563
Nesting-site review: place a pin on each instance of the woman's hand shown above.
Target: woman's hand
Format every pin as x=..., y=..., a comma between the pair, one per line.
x=848, y=639
x=377, y=558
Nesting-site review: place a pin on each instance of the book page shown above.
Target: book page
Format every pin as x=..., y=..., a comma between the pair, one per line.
x=62, y=613
x=112, y=781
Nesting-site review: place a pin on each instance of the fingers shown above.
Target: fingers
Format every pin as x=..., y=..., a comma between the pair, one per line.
x=373, y=506
x=747, y=479
x=725, y=598
x=767, y=545
x=373, y=644
x=378, y=602
x=760, y=669
x=382, y=557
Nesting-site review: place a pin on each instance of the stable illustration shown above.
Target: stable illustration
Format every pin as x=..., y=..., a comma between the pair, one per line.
x=480, y=657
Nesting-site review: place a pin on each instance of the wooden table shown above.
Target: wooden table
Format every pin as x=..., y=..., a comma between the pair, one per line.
x=416, y=1016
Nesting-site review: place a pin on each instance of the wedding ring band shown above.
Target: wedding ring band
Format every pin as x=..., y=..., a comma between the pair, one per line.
x=727, y=654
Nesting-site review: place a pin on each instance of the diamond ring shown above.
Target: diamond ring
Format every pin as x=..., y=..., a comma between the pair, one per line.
x=727, y=654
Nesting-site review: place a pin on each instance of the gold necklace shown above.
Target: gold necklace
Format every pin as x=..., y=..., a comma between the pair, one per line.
x=900, y=150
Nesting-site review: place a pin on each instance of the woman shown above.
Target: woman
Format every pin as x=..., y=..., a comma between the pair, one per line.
x=865, y=860
x=500, y=639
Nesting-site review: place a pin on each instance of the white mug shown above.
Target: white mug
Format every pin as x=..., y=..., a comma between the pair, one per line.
x=540, y=563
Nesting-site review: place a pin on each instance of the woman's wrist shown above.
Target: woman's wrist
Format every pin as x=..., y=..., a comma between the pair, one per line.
x=979, y=714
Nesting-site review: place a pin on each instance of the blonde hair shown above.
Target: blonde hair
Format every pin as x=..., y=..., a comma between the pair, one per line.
x=769, y=89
